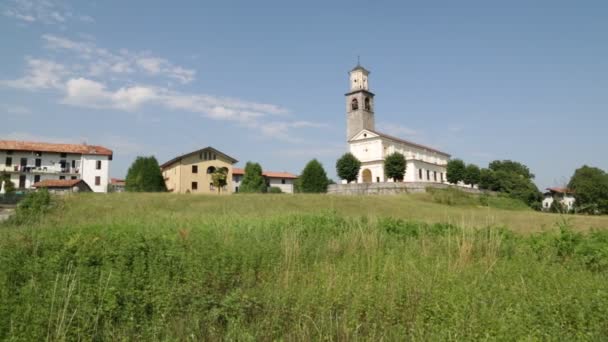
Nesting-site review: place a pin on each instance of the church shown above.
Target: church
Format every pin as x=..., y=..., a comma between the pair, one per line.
x=423, y=163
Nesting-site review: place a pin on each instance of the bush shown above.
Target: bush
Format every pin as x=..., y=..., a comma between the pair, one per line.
x=253, y=181
x=32, y=207
x=347, y=167
x=314, y=179
x=275, y=190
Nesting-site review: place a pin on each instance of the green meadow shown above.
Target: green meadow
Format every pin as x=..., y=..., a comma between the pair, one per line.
x=435, y=266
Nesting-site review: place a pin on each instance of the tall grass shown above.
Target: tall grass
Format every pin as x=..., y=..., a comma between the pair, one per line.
x=153, y=275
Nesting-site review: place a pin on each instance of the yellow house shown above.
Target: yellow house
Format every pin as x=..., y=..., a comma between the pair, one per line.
x=191, y=172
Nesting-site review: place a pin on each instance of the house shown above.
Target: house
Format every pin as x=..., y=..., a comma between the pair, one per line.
x=282, y=180
x=565, y=196
x=423, y=163
x=63, y=186
x=192, y=172
x=117, y=185
x=32, y=162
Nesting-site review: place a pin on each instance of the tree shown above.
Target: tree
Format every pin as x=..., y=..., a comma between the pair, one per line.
x=253, y=181
x=511, y=167
x=219, y=178
x=394, y=166
x=144, y=176
x=9, y=186
x=455, y=171
x=472, y=175
x=314, y=178
x=348, y=167
x=488, y=180
x=590, y=186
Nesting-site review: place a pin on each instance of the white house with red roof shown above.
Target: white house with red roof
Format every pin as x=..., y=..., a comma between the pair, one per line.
x=282, y=180
x=28, y=163
x=565, y=196
x=423, y=163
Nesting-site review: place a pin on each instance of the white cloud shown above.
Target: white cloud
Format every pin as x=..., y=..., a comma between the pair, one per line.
x=83, y=92
x=44, y=11
x=40, y=74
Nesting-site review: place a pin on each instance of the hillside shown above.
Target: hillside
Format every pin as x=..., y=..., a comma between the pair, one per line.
x=310, y=267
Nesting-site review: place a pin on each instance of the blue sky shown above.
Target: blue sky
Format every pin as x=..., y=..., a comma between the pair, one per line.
x=264, y=81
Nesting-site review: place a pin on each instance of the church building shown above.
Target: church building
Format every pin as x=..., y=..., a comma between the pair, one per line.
x=423, y=163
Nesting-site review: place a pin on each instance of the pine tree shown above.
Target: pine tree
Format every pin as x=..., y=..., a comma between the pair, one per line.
x=253, y=181
x=314, y=179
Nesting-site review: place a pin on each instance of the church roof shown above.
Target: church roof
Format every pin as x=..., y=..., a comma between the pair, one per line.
x=407, y=142
x=359, y=67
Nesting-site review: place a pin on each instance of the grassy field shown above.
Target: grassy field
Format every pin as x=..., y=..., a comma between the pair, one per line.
x=305, y=267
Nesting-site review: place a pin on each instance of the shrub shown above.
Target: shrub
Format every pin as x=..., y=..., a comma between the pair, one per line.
x=275, y=190
x=32, y=207
x=253, y=181
x=314, y=178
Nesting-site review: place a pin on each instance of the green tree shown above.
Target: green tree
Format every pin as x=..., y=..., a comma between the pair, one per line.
x=348, y=167
x=253, y=181
x=144, y=175
x=511, y=167
x=455, y=171
x=472, y=175
x=394, y=166
x=314, y=178
x=9, y=186
x=590, y=186
x=488, y=180
x=219, y=178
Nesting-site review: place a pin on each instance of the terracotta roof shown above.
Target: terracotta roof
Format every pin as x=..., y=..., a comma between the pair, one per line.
x=57, y=183
x=52, y=147
x=269, y=174
x=409, y=143
x=116, y=181
x=561, y=190
x=176, y=159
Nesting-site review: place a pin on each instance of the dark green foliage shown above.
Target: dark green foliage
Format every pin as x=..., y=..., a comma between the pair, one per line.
x=513, y=179
x=347, y=167
x=472, y=175
x=144, y=175
x=394, y=166
x=9, y=186
x=220, y=178
x=455, y=197
x=590, y=186
x=510, y=166
x=455, y=171
x=253, y=181
x=275, y=190
x=32, y=207
x=314, y=179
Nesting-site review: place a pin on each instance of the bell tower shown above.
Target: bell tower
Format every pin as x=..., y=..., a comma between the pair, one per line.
x=359, y=103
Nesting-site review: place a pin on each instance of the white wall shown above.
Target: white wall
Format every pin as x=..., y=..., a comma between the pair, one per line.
x=278, y=182
x=567, y=201
x=89, y=172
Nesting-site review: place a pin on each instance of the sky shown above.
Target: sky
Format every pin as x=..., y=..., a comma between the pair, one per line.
x=265, y=81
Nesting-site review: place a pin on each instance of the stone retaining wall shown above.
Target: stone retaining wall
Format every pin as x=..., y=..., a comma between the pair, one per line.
x=391, y=188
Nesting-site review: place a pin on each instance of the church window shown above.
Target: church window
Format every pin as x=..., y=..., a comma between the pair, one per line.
x=435, y=176
x=367, y=104
x=428, y=175
x=420, y=173
x=377, y=179
x=354, y=104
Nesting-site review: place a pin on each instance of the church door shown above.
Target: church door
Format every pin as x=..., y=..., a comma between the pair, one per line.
x=367, y=176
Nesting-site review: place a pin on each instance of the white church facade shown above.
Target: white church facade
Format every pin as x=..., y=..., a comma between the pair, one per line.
x=423, y=163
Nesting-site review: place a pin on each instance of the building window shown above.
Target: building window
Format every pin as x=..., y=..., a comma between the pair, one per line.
x=236, y=189
x=194, y=168
x=194, y=186
x=36, y=178
x=441, y=177
x=420, y=173
x=64, y=155
x=73, y=164
x=354, y=104
x=377, y=179
x=63, y=177
x=98, y=165
x=74, y=177
x=282, y=181
x=367, y=104
x=210, y=170
x=214, y=156
x=9, y=161
x=38, y=162
x=63, y=164
x=22, y=182
x=428, y=175
x=97, y=180
x=435, y=176
x=23, y=162
x=9, y=152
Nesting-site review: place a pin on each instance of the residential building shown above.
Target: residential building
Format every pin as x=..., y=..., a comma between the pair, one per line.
x=63, y=186
x=191, y=172
x=423, y=163
x=282, y=180
x=33, y=162
x=565, y=196
x=117, y=185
